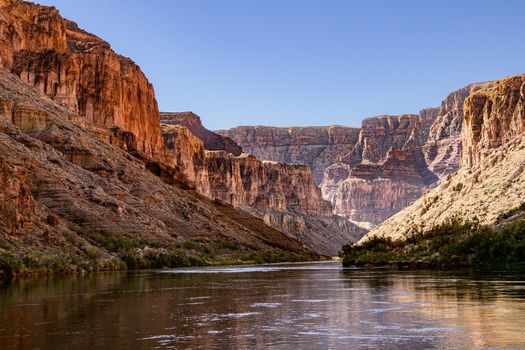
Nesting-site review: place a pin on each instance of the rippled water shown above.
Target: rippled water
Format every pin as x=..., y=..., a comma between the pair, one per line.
x=290, y=306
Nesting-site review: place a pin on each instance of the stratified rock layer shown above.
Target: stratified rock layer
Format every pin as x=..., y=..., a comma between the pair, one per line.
x=491, y=180
x=191, y=121
x=372, y=172
x=78, y=70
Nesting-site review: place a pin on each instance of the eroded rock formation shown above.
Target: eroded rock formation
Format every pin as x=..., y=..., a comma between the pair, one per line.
x=491, y=180
x=78, y=70
x=191, y=121
x=372, y=172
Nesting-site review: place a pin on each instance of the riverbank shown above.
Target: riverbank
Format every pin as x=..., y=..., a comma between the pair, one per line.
x=452, y=244
x=88, y=251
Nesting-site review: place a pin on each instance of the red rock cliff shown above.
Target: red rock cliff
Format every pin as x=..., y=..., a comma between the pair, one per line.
x=354, y=165
x=492, y=118
x=78, y=70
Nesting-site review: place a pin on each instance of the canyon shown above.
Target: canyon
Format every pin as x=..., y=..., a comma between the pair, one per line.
x=491, y=179
x=112, y=100
x=88, y=160
x=372, y=172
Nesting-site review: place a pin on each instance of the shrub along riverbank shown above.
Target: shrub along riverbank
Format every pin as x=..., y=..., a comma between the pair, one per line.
x=94, y=251
x=454, y=243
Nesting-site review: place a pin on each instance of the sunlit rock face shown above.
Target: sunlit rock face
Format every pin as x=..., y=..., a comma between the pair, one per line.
x=285, y=196
x=372, y=172
x=491, y=179
x=493, y=117
x=78, y=70
x=211, y=140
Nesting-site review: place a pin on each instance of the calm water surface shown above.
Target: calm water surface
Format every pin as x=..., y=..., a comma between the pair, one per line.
x=288, y=306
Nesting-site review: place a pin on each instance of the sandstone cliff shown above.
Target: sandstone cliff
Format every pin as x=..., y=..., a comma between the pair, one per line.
x=191, y=121
x=78, y=70
x=372, y=172
x=491, y=180
x=74, y=193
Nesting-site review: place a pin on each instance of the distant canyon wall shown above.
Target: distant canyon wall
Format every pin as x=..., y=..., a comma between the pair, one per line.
x=491, y=178
x=372, y=172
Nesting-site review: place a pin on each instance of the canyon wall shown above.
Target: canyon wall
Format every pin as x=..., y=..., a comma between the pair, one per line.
x=78, y=70
x=81, y=73
x=71, y=191
x=285, y=196
x=491, y=180
x=372, y=172
x=317, y=147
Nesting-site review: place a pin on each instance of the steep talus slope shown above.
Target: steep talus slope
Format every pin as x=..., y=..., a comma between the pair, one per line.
x=284, y=196
x=491, y=180
x=372, y=172
x=58, y=170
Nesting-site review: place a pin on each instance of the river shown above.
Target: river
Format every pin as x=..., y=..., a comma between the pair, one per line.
x=278, y=306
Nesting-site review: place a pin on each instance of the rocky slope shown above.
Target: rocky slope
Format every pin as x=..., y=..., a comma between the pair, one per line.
x=76, y=197
x=284, y=196
x=372, y=172
x=491, y=180
x=80, y=72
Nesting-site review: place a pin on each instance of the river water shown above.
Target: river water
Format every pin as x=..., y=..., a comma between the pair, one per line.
x=281, y=306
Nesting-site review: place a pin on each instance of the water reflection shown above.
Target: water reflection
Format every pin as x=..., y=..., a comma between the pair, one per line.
x=302, y=306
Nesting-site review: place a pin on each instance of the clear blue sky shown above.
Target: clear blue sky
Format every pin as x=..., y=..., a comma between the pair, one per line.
x=307, y=62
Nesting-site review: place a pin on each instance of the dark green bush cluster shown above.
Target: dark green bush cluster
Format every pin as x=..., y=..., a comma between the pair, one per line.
x=452, y=243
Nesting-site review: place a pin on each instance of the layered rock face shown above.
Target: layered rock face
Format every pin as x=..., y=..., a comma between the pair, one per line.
x=189, y=154
x=245, y=180
x=283, y=196
x=191, y=121
x=443, y=147
x=491, y=180
x=372, y=172
x=59, y=169
x=317, y=147
x=492, y=118
x=78, y=70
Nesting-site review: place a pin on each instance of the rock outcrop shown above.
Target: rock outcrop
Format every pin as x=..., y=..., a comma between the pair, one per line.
x=372, y=172
x=284, y=196
x=491, y=180
x=59, y=170
x=317, y=147
x=79, y=71
x=191, y=121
